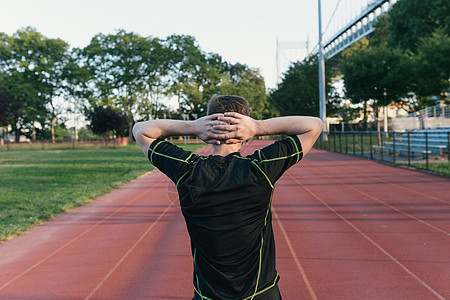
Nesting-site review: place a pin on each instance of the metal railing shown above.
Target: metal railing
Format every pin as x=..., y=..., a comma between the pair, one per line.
x=423, y=149
x=427, y=118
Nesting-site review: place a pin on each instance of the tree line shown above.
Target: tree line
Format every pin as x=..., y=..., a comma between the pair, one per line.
x=122, y=73
x=126, y=77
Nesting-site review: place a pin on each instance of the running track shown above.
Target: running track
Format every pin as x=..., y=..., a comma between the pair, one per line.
x=345, y=227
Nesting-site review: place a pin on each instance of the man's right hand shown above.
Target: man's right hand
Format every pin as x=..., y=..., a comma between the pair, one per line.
x=206, y=131
x=239, y=128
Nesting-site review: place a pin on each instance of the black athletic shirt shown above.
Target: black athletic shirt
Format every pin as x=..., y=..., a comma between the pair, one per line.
x=226, y=203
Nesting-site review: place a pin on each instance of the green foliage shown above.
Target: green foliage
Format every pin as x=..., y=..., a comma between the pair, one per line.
x=408, y=55
x=248, y=83
x=60, y=132
x=104, y=120
x=125, y=71
x=432, y=65
x=298, y=93
x=377, y=73
x=8, y=108
x=120, y=69
x=412, y=20
x=31, y=70
x=193, y=73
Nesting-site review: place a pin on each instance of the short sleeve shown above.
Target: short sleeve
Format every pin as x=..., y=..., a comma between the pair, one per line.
x=170, y=159
x=276, y=158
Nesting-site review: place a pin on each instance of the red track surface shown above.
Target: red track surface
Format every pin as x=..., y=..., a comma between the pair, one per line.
x=345, y=227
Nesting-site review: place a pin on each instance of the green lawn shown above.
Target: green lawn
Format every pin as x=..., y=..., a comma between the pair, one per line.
x=441, y=167
x=37, y=185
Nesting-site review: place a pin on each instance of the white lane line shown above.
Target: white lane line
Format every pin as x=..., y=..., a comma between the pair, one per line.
x=388, y=205
x=99, y=285
x=412, y=191
x=294, y=255
x=71, y=241
x=405, y=188
x=417, y=278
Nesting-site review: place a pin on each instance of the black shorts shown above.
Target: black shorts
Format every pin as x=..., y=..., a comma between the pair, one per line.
x=274, y=294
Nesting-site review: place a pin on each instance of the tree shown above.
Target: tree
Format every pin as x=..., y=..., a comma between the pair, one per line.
x=298, y=93
x=119, y=67
x=75, y=85
x=432, y=65
x=9, y=110
x=412, y=20
x=156, y=85
x=377, y=74
x=104, y=120
x=248, y=83
x=420, y=28
x=30, y=66
x=192, y=73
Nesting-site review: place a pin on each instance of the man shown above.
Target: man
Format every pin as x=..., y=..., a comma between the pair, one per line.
x=226, y=198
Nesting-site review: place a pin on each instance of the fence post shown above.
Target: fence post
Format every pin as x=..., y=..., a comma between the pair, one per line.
x=382, y=147
x=370, y=143
x=409, y=149
x=340, y=142
x=448, y=146
x=426, y=146
x=320, y=141
x=362, y=145
x=328, y=135
x=346, y=148
x=393, y=143
x=354, y=151
x=334, y=141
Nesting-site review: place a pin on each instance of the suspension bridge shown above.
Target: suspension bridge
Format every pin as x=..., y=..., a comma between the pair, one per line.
x=346, y=21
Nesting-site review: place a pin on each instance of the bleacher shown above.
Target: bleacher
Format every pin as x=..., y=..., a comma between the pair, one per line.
x=418, y=143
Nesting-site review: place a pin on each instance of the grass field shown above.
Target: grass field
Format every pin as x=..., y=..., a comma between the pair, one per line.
x=38, y=185
x=441, y=168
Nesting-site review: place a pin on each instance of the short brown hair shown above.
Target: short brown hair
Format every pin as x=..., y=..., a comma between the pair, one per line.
x=219, y=104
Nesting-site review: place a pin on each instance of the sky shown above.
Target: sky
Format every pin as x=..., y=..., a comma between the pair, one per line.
x=243, y=31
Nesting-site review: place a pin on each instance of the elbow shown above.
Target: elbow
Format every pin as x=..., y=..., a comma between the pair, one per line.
x=136, y=130
x=318, y=125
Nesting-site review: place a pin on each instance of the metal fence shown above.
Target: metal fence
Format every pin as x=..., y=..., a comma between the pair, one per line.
x=427, y=118
x=425, y=149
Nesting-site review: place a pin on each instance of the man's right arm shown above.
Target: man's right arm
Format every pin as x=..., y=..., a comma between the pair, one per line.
x=242, y=128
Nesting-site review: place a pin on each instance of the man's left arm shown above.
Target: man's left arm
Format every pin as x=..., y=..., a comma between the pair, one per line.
x=148, y=131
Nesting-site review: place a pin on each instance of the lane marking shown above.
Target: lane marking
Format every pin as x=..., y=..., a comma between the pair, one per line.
x=412, y=191
x=405, y=188
x=71, y=241
x=99, y=285
x=417, y=278
x=387, y=205
x=294, y=255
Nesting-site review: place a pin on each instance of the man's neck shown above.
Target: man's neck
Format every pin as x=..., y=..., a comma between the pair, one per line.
x=225, y=149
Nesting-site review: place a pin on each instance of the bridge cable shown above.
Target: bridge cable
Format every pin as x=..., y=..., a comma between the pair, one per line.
x=332, y=16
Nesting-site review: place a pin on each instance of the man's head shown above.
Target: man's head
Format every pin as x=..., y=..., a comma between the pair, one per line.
x=225, y=103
